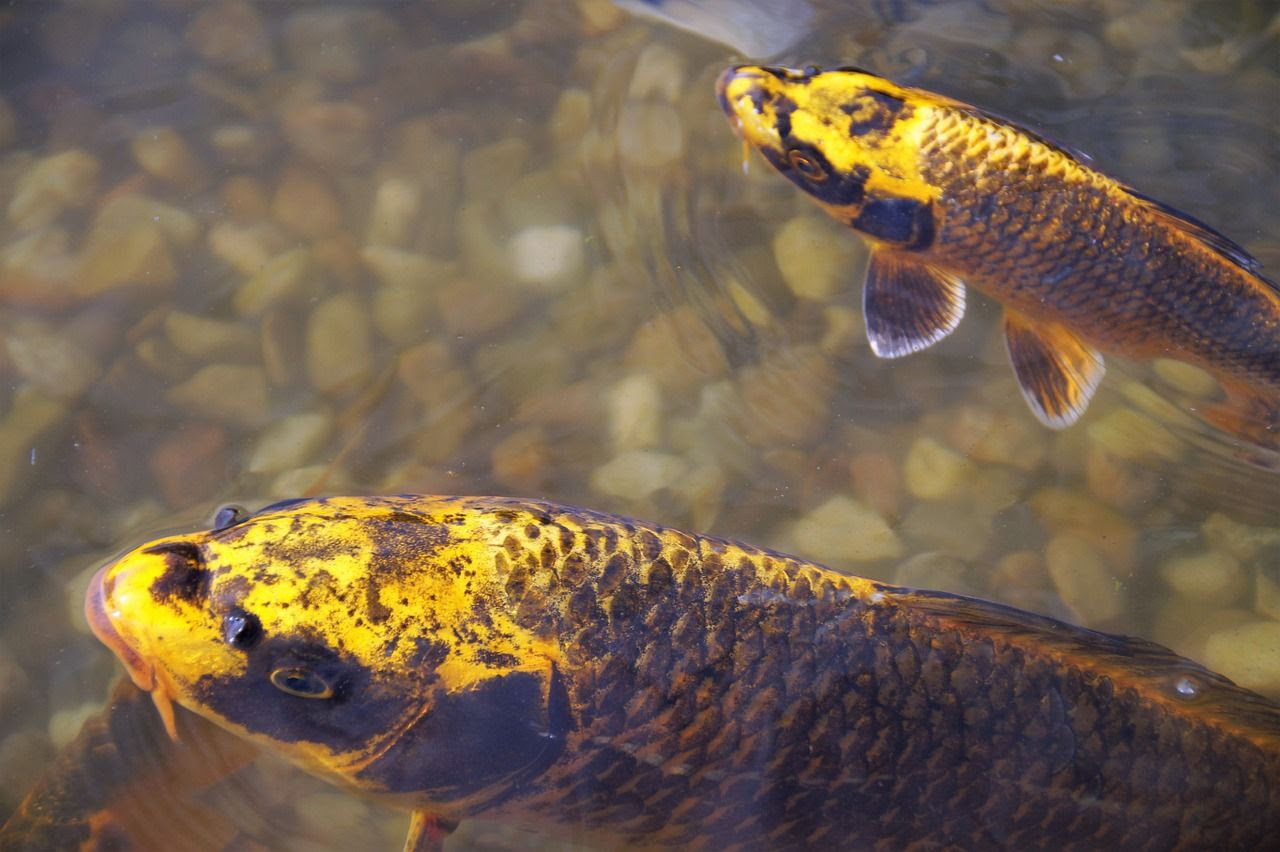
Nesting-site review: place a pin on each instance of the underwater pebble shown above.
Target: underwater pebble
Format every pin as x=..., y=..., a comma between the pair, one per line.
x=1112, y=534
x=189, y=464
x=815, y=263
x=29, y=416
x=984, y=435
x=1249, y=654
x=1123, y=484
x=119, y=254
x=570, y=118
x=232, y=34
x=290, y=442
x=339, y=44
x=635, y=474
x=520, y=461
x=231, y=393
x=1083, y=580
x=306, y=204
x=659, y=73
x=52, y=185
x=635, y=413
x=243, y=145
x=1212, y=578
x=208, y=339
x=467, y=310
x=178, y=226
x=1243, y=541
x=549, y=256
x=246, y=248
x=394, y=213
x=402, y=313
x=487, y=171
x=331, y=134
x=877, y=483
x=65, y=724
x=678, y=349
x=934, y=570
x=399, y=268
x=335, y=814
x=650, y=135
x=245, y=198
x=278, y=279
x=24, y=754
x=956, y=527
x=844, y=530
x=1186, y=378
x=538, y=198
x=37, y=269
x=8, y=124
x=303, y=480
x=932, y=471
x=52, y=361
x=1134, y=436
x=164, y=154
x=339, y=345
x=785, y=399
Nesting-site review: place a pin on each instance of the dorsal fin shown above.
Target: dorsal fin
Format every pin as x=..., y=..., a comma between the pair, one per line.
x=1223, y=245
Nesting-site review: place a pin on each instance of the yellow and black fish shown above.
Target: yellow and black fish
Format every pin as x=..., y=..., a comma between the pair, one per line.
x=951, y=196
x=639, y=685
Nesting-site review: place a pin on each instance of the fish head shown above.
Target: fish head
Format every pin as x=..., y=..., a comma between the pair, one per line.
x=366, y=639
x=846, y=137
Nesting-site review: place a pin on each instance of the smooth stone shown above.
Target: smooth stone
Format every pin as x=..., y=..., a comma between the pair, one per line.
x=787, y=398
x=1248, y=654
x=1243, y=541
x=650, y=135
x=232, y=34
x=984, y=435
x=65, y=724
x=231, y=393
x=136, y=256
x=933, y=472
x=402, y=312
x=843, y=530
x=52, y=361
x=547, y=256
x=290, y=442
x=340, y=45
x=1211, y=577
x=245, y=198
x=164, y=154
x=951, y=526
x=1186, y=378
x=189, y=464
x=394, y=213
x=935, y=570
x=635, y=413
x=487, y=171
x=51, y=185
x=521, y=460
x=636, y=474
x=208, y=339
x=278, y=279
x=245, y=248
x=814, y=260
x=181, y=228
x=1134, y=436
x=306, y=204
x=396, y=267
x=30, y=415
x=331, y=134
x=570, y=119
x=1084, y=580
x=339, y=345
x=1112, y=534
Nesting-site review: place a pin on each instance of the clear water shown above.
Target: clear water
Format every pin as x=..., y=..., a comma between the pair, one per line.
x=253, y=251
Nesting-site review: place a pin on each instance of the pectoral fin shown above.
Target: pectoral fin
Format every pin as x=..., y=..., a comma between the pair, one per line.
x=1057, y=372
x=427, y=832
x=908, y=305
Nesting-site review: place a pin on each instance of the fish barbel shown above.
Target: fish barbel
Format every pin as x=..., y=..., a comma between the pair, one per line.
x=950, y=196
x=632, y=684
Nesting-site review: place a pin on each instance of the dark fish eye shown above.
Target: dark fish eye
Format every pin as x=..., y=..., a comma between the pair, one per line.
x=806, y=165
x=301, y=682
x=228, y=516
x=241, y=629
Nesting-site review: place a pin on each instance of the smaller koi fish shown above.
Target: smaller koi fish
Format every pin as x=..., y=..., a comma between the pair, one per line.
x=951, y=196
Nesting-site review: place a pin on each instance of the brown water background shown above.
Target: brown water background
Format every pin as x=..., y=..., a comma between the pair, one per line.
x=256, y=250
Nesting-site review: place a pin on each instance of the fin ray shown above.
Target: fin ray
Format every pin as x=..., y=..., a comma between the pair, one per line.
x=1056, y=371
x=908, y=305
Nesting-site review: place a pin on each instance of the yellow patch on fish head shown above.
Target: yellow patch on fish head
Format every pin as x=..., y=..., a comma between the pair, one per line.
x=848, y=138
x=368, y=640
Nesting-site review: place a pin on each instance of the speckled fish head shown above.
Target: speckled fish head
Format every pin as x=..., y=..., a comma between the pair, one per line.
x=846, y=137
x=367, y=640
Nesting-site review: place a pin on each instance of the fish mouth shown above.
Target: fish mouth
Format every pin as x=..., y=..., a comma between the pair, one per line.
x=745, y=93
x=141, y=672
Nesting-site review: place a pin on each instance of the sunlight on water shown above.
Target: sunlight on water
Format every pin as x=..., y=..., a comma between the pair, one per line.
x=250, y=251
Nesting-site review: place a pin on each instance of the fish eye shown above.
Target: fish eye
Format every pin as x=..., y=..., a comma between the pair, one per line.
x=241, y=629
x=301, y=682
x=806, y=165
x=228, y=516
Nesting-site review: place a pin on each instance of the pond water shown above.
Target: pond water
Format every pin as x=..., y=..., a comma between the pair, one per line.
x=251, y=251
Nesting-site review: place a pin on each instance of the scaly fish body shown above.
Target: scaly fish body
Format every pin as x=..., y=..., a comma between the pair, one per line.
x=551, y=665
x=950, y=196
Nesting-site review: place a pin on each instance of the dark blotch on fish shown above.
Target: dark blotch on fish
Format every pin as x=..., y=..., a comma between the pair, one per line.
x=185, y=576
